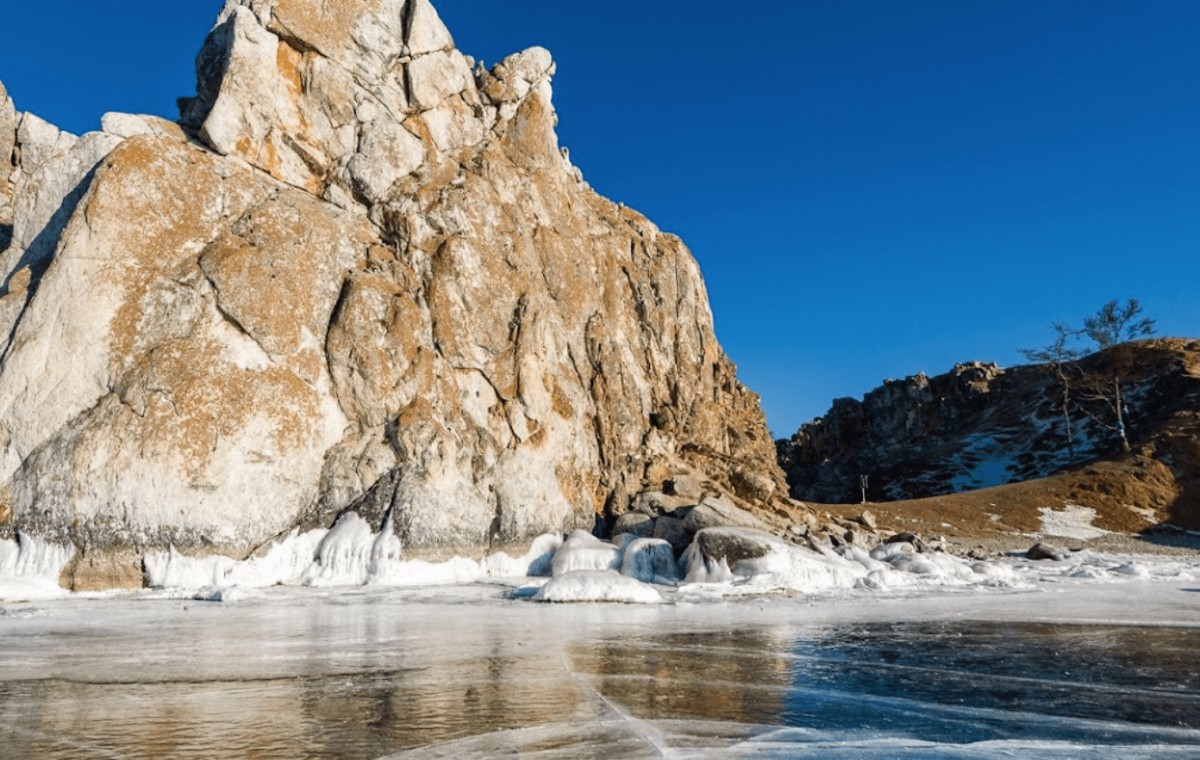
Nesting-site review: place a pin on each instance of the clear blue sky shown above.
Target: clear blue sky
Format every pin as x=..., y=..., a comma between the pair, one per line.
x=873, y=187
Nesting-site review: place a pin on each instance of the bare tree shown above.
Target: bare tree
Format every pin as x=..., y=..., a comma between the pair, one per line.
x=1112, y=325
x=1060, y=355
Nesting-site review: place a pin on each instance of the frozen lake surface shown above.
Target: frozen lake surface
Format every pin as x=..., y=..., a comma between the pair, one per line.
x=1067, y=670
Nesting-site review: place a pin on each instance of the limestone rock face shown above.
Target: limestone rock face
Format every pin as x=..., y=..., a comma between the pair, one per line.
x=8, y=141
x=360, y=274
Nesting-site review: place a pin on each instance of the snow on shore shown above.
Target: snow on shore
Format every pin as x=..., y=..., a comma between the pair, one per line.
x=722, y=563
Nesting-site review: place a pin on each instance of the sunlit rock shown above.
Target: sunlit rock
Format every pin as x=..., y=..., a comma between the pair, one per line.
x=359, y=275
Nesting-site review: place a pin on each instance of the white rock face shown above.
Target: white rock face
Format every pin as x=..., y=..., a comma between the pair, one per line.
x=133, y=125
x=182, y=395
x=8, y=141
x=360, y=276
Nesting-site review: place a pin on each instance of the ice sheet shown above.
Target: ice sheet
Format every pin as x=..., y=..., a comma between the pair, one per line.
x=460, y=671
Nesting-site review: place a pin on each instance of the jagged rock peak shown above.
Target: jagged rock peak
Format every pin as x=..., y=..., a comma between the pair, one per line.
x=355, y=100
x=359, y=275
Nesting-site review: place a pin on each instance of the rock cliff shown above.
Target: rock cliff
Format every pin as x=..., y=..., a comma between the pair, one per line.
x=980, y=426
x=358, y=273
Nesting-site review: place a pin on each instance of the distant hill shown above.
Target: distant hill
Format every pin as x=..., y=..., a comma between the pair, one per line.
x=981, y=426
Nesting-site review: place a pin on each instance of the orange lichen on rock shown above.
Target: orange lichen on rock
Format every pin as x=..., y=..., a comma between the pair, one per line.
x=371, y=281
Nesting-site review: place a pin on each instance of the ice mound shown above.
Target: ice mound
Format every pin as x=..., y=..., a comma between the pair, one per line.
x=285, y=562
x=352, y=554
x=29, y=568
x=740, y=555
x=597, y=586
x=535, y=563
x=583, y=551
x=748, y=561
x=650, y=560
x=1087, y=565
x=586, y=569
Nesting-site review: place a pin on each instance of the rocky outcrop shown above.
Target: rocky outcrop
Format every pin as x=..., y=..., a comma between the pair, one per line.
x=980, y=426
x=8, y=140
x=359, y=274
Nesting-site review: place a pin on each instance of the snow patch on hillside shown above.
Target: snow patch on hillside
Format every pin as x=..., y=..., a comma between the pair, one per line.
x=1071, y=522
x=985, y=462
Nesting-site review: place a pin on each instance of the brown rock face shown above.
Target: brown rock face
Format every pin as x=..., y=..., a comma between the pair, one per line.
x=367, y=279
x=979, y=426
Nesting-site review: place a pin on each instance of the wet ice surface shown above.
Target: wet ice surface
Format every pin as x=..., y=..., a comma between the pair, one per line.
x=466, y=671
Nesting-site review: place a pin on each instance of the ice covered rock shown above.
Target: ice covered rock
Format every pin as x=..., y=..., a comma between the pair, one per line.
x=222, y=594
x=537, y=562
x=935, y=564
x=650, y=560
x=582, y=551
x=359, y=277
x=890, y=550
x=749, y=556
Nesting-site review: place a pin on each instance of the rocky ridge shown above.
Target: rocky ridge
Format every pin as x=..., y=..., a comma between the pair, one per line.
x=980, y=426
x=358, y=274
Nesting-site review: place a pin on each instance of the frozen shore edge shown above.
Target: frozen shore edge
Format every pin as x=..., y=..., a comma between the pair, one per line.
x=721, y=563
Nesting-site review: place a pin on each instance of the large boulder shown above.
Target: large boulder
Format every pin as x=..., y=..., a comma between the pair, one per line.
x=732, y=545
x=358, y=276
x=720, y=512
x=634, y=524
x=1041, y=551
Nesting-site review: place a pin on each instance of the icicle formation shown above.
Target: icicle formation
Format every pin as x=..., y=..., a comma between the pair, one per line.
x=29, y=568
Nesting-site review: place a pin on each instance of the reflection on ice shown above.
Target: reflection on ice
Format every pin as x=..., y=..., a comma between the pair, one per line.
x=302, y=674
